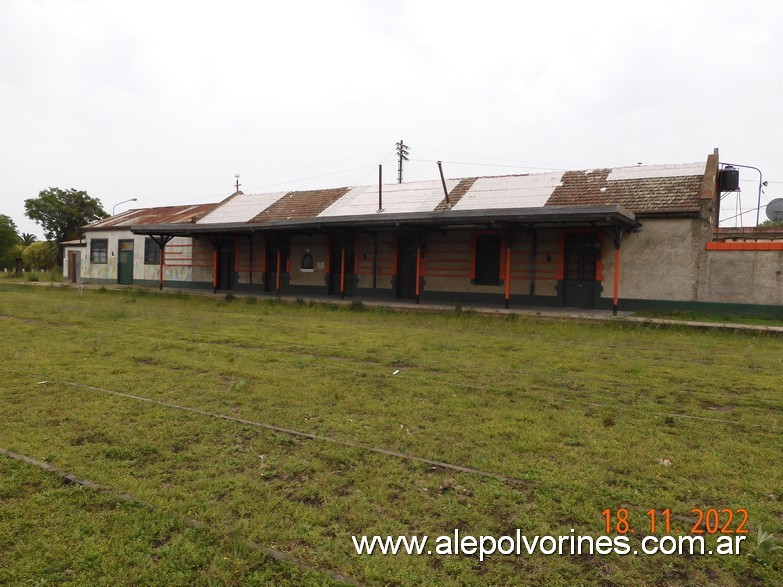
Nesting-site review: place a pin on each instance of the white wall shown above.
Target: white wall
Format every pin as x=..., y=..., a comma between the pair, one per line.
x=176, y=254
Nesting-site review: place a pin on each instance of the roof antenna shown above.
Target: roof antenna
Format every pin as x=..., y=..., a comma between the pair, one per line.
x=236, y=176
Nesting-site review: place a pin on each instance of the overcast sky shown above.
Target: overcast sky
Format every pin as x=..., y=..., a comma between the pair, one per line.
x=165, y=101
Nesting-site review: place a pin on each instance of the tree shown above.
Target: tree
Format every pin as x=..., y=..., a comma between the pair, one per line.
x=771, y=223
x=8, y=238
x=28, y=239
x=40, y=255
x=62, y=213
x=17, y=252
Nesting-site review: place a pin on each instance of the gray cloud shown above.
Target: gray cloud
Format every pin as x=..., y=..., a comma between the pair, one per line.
x=165, y=101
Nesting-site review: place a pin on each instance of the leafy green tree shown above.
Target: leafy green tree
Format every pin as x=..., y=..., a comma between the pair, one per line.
x=62, y=213
x=17, y=251
x=40, y=255
x=8, y=238
x=771, y=223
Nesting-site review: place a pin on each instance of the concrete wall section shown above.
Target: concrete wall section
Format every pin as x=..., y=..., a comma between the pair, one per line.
x=659, y=262
x=743, y=277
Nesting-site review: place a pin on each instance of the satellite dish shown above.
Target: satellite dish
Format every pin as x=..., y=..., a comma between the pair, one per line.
x=775, y=210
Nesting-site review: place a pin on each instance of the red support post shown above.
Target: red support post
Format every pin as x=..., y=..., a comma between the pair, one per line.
x=162, y=254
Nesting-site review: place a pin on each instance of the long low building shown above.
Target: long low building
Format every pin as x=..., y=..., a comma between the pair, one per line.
x=641, y=237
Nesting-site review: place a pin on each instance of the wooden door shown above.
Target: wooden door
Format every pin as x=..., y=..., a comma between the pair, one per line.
x=581, y=257
x=406, y=267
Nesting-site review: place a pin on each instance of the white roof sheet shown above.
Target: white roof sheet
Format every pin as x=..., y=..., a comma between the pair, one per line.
x=418, y=196
x=515, y=191
x=656, y=171
x=241, y=208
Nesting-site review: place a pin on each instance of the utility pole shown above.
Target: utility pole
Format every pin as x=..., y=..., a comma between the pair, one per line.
x=402, y=154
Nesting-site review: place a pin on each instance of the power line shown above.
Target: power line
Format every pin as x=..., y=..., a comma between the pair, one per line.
x=527, y=164
x=310, y=177
x=492, y=165
x=333, y=162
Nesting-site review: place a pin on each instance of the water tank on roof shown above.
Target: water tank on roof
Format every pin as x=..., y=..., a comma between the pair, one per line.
x=729, y=179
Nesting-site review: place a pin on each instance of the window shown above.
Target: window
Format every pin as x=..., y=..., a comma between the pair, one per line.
x=99, y=250
x=487, y=260
x=151, y=252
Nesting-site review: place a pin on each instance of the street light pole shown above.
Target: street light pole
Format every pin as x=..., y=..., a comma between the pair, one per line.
x=123, y=202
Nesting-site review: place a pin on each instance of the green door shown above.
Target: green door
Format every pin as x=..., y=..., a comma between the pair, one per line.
x=125, y=263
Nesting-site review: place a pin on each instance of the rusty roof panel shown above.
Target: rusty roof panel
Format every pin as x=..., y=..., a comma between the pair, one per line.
x=304, y=204
x=160, y=215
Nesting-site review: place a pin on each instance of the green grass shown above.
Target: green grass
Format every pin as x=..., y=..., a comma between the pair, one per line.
x=55, y=534
x=578, y=417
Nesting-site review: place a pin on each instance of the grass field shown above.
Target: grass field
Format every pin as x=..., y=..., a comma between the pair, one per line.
x=557, y=421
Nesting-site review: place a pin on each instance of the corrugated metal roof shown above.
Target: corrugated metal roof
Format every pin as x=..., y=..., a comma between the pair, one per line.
x=417, y=196
x=510, y=191
x=656, y=171
x=241, y=207
x=161, y=215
